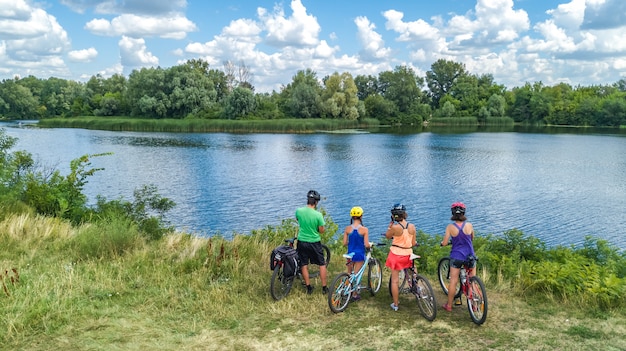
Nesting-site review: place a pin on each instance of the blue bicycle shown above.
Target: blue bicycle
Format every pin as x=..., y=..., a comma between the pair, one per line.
x=345, y=285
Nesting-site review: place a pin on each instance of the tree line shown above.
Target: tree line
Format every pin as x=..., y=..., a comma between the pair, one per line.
x=195, y=90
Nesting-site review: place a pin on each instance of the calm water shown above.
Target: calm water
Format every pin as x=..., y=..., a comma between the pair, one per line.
x=558, y=187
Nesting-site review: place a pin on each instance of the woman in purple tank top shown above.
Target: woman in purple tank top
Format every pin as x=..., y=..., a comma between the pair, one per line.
x=461, y=234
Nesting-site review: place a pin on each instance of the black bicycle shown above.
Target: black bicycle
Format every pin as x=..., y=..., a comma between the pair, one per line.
x=280, y=284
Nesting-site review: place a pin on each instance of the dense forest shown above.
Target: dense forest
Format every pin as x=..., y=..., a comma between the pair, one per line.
x=194, y=90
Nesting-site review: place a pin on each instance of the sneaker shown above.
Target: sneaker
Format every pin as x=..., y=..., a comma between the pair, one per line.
x=324, y=290
x=447, y=307
x=394, y=307
x=355, y=297
x=309, y=289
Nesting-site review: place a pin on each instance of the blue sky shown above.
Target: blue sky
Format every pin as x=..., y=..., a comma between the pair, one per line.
x=580, y=42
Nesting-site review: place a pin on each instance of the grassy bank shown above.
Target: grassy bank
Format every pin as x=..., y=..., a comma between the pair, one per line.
x=105, y=287
x=206, y=125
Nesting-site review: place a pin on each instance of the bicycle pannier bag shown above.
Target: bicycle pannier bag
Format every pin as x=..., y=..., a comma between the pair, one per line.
x=289, y=256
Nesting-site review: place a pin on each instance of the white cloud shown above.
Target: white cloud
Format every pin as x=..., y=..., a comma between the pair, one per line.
x=243, y=29
x=173, y=27
x=493, y=22
x=569, y=15
x=409, y=31
x=605, y=14
x=301, y=29
x=37, y=36
x=134, y=53
x=372, y=42
x=85, y=55
x=17, y=10
x=152, y=7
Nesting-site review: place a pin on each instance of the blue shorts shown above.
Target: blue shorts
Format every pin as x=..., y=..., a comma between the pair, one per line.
x=460, y=263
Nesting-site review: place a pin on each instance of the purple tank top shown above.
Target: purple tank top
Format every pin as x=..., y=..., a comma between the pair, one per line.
x=461, y=244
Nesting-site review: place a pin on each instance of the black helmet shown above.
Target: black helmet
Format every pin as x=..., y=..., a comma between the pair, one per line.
x=398, y=211
x=312, y=194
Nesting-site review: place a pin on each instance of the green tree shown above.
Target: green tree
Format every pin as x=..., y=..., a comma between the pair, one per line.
x=302, y=96
x=520, y=108
x=448, y=109
x=189, y=90
x=496, y=105
x=613, y=113
x=147, y=92
x=339, y=97
x=402, y=87
x=366, y=86
x=267, y=106
x=240, y=103
x=378, y=107
x=540, y=103
x=18, y=101
x=441, y=78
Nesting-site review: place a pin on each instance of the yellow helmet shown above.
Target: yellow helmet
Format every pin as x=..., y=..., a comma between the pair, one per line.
x=356, y=212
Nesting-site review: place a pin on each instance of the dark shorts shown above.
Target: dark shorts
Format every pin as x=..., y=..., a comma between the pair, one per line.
x=459, y=263
x=311, y=253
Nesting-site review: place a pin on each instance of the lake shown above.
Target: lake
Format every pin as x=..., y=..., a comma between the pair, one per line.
x=556, y=184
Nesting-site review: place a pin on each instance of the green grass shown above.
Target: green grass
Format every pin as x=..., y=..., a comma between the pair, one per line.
x=206, y=125
x=184, y=292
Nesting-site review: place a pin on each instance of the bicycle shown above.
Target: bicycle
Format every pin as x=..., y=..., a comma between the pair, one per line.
x=280, y=286
x=344, y=284
x=409, y=281
x=473, y=288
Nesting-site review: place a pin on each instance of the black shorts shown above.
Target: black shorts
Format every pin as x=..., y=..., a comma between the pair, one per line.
x=311, y=253
x=459, y=263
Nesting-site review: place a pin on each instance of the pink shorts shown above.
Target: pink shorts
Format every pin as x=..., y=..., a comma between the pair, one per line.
x=397, y=262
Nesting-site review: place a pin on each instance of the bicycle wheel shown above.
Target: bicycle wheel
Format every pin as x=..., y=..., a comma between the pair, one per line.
x=279, y=285
x=443, y=272
x=402, y=282
x=477, y=300
x=425, y=297
x=374, y=276
x=340, y=292
x=313, y=269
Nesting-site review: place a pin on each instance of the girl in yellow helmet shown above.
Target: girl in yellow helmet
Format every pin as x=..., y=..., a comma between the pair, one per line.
x=355, y=237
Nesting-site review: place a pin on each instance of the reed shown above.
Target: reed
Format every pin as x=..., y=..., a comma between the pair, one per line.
x=206, y=125
x=453, y=121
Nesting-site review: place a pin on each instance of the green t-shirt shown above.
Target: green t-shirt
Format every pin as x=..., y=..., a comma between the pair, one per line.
x=309, y=220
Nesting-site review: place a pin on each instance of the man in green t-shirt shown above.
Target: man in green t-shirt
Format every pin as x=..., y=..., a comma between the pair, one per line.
x=311, y=225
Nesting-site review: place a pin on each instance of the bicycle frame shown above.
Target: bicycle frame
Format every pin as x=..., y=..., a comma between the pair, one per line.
x=355, y=278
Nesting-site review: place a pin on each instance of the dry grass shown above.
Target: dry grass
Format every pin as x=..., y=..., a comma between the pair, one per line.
x=189, y=293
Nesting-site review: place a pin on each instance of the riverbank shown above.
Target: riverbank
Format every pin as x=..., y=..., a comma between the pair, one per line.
x=207, y=125
x=291, y=125
x=102, y=286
